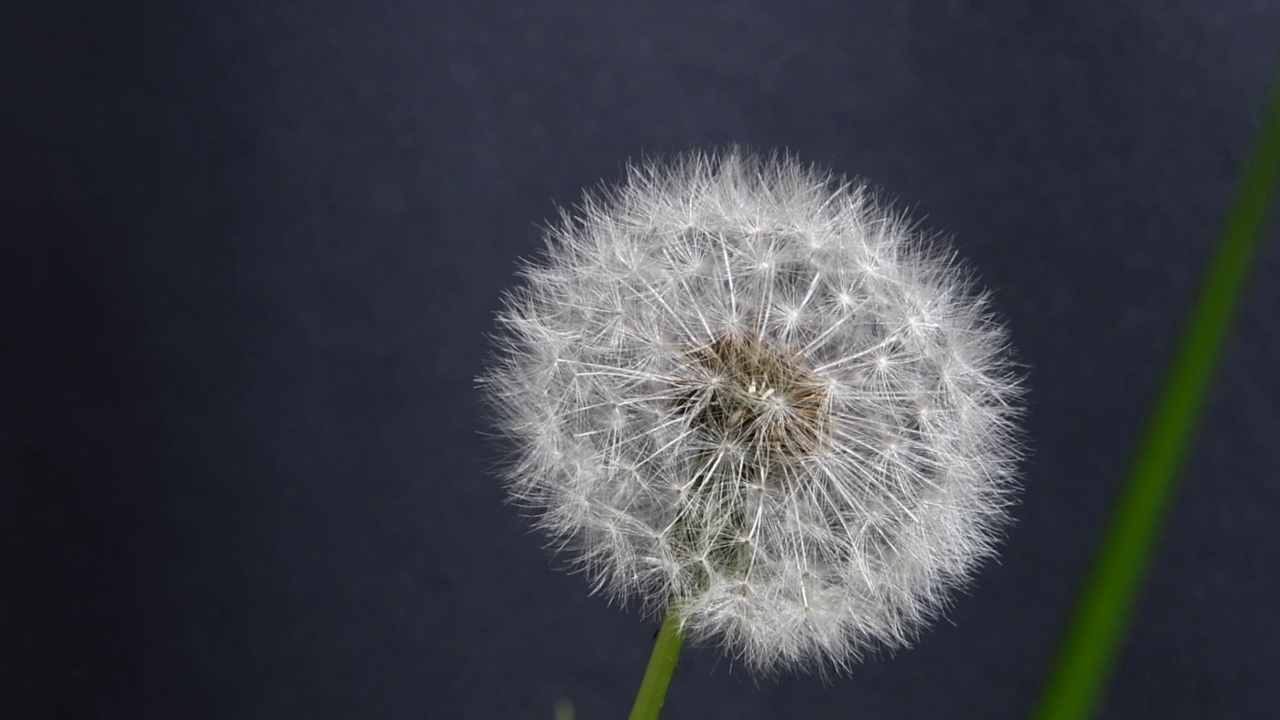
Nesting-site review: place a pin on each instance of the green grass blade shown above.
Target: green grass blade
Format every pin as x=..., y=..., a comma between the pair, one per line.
x=1092, y=643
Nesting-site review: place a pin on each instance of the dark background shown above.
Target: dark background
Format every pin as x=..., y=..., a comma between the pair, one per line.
x=250, y=255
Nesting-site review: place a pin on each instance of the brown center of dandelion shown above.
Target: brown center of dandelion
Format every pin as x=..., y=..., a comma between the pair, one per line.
x=743, y=390
x=761, y=411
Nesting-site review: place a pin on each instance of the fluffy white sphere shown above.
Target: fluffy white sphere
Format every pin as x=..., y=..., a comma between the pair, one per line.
x=739, y=389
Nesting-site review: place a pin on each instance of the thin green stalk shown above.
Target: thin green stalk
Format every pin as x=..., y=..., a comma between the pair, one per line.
x=1092, y=644
x=657, y=677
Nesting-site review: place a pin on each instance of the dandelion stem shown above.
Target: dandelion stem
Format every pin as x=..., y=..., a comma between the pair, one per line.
x=657, y=677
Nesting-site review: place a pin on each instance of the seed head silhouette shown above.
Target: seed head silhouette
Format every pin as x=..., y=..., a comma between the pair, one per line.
x=739, y=388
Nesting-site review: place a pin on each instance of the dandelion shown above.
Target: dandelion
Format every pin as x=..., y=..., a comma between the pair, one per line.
x=743, y=392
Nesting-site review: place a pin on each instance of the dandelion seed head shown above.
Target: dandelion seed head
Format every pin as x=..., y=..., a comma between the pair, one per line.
x=740, y=388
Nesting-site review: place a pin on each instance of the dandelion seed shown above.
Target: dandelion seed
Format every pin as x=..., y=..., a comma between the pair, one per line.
x=739, y=388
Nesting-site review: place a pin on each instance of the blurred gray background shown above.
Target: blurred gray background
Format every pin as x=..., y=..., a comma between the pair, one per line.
x=250, y=252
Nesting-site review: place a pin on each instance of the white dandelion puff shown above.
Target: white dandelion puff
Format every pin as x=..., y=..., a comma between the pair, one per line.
x=741, y=389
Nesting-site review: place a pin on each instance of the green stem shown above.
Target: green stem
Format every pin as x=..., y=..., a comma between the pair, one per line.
x=1092, y=643
x=657, y=677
